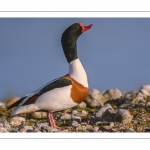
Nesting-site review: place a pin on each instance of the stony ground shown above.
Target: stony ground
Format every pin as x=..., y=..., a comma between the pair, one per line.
x=111, y=111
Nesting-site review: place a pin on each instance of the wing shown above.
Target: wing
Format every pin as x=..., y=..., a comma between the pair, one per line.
x=32, y=97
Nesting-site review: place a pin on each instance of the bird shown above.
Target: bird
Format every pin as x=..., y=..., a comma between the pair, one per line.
x=64, y=92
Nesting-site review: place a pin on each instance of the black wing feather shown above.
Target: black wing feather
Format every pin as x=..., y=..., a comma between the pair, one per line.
x=16, y=103
x=61, y=82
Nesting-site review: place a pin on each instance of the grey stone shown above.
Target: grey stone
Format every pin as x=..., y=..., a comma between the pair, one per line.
x=82, y=105
x=7, y=125
x=74, y=112
x=48, y=129
x=39, y=115
x=110, y=112
x=111, y=124
x=129, y=130
x=89, y=128
x=94, y=98
x=112, y=94
x=26, y=129
x=126, y=106
x=76, y=118
x=105, y=127
x=145, y=89
x=79, y=128
x=123, y=116
x=16, y=120
x=100, y=112
x=148, y=104
x=2, y=129
x=95, y=129
x=75, y=124
x=2, y=105
x=65, y=116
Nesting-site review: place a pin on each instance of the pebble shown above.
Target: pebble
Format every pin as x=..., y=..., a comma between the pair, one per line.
x=2, y=129
x=110, y=112
x=74, y=112
x=111, y=124
x=126, y=106
x=1, y=120
x=89, y=128
x=15, y=121
x=129, y=130
x=76, y=118
x=26, y=129
x=100, y=112
x=123, y=116
x=2, y=105
x=82, y=105
x=48, y=129
x=75, y=124
x=145, y=89
x=6, y=125
x=105, y=127
x=112, y=94
x=65, y=116
x=94, y=99
x=148, y=104
x=84, y=113
x=95, y=129
x=39, y=115
x=79, y=128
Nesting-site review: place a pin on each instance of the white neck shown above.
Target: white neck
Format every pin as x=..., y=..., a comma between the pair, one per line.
x=77, y=72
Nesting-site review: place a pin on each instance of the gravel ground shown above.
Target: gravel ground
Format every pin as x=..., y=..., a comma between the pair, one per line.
x=111, y=111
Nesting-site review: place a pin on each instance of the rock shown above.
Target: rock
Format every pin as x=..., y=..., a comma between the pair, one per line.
x=148, y=104
x=79, y=128
x=84, y=113
x=109, y=113
x=11, y=101
x=100, y=112
x=1, y=120
x=111, y=124
x=95, y=129
x=94, y=98
x=105, y=127
x=2, y=105
x=89, y=128
x=48, y=129
x=123, y=116
x=65, y=116
x=74, y=112
x=129, y=130
x=39, y=115
x=112, y=94
x=132, y=98
x=76, y=118
x=126, y=106
x=41, y=124
x=82, y=105
x=141, y=104
x=145, y=90
x=15, y=121
x=2, y=129
x=6, y=125
x=75, y=124
x=26, y=129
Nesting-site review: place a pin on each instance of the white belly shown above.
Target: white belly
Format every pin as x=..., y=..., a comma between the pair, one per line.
x=56, y=100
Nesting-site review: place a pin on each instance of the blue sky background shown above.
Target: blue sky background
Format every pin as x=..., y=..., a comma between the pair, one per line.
x=115, y=53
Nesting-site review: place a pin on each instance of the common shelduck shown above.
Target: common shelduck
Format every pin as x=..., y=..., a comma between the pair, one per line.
x=64, y=92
